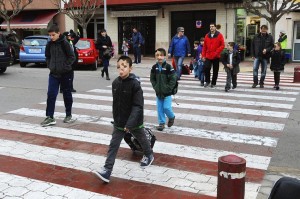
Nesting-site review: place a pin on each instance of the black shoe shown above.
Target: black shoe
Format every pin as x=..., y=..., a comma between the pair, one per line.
x=226, y=89
x=261, y=86
x=254, y=85
x=103, y=175
x=102, y=73
x=212, y=86
x=206, y=85
x=233, y=87
x=107, y=78
x=202, y=84
x=73, y=90
x=171, y=121
x=61, y=91
x=277, y=88
x=160, y=127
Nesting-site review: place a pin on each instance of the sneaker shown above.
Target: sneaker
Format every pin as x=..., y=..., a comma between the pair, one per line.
x=48, y=121
x=171, y=121
x=107, y=78
x=160, y=127
x=102, y=73
x=254, y=85
x=226, y=89
x=277, y=88
x=212, y=86
x=206, y=85
x=202, y=84
x=261, y=86
x=147, y=161
x=73, y=91
x=103, y=175
x=233, y=87
x=69, y=119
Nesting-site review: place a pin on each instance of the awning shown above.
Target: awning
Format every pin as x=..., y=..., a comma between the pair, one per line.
x=38, y=19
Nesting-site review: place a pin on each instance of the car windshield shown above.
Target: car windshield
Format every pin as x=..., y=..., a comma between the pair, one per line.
x=35, y=42
x=83, y=44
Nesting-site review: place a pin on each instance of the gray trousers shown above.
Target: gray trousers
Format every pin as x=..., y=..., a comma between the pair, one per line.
x=115, y=142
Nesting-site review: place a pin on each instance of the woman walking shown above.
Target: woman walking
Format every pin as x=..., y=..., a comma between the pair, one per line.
x=104, y=45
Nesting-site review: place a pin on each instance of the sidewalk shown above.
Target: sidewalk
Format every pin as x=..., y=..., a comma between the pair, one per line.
x=245, y=66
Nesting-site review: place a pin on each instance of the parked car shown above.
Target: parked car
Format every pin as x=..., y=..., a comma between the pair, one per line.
x=14, y=43
x=5, y=54
x=32, y=49
x=87, y=53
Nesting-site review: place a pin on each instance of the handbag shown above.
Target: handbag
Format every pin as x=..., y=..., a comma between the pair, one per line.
x=107, y=53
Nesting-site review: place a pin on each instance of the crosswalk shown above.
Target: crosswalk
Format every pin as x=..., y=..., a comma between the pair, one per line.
x=57, y=161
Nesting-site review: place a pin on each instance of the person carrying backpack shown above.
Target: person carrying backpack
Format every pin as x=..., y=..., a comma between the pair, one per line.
x=163, y=79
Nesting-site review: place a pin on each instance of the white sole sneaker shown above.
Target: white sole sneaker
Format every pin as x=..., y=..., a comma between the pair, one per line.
x=101, y=177
x=143, y=167
x=49, y=124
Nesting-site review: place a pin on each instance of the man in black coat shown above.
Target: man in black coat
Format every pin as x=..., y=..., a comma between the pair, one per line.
x=261, y=47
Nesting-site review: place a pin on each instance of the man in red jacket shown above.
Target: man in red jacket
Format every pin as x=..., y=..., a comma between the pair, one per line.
x=211, y=52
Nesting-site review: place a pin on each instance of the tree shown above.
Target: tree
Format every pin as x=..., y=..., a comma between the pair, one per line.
x=81, y=11
x=10, y=8
x=275, y=9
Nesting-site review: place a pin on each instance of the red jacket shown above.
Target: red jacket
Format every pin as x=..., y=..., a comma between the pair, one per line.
x=213, y=46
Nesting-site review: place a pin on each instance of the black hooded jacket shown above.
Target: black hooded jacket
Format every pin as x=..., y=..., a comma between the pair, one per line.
x=128, y=102
x=59, y=56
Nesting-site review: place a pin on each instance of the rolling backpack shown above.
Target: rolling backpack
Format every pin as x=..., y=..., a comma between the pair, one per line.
x=135, y=145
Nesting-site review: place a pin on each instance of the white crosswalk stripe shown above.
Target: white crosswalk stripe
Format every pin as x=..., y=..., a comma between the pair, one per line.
x=246, y=122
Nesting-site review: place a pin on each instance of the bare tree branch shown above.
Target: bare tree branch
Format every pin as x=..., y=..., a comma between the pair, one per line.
x=274, y=9
x=16, y=6
x=81, y=11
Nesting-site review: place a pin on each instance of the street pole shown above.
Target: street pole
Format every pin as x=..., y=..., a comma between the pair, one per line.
x=105, y=14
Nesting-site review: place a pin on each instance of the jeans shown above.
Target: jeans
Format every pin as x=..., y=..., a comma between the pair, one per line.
x=137, y=54
x=208, y=63
x=105, y=62
x=164, y=107
x=230, y=78
x=195, y=66
x=256, y=63
x=117, y=137
x=179, y=63
x=65, y=81
x=201, y=71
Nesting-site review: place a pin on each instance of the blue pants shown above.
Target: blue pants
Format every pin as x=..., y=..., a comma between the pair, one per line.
x=195, y=66
x=256, y=63
x=105, y=62
x=200, y=70
x=164, y=107
x=65, y=81
x=179, y=63
x=137, y=54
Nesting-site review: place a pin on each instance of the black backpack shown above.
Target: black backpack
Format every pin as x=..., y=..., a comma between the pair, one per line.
x=135, y=145
x=175, y=88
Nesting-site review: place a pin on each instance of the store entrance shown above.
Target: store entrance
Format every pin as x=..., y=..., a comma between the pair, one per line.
x=146, y=25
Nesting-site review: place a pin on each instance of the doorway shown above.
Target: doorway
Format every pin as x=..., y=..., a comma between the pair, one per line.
x=296, y=42
x=145, y=25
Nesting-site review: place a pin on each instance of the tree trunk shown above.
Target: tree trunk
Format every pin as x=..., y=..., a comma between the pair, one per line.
x=84, y=31
x=272, y=28
x=8, y=26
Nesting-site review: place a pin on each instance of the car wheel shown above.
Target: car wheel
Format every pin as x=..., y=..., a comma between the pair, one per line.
x=22, y=64
x=2, y=70
x=95, y=65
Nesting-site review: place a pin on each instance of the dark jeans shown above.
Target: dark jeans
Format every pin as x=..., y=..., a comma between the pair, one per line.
x=230, y=78
x=72, y=79
x=276, y=78
x=137, y=54
x=115, y=142
x=264, y=63
x=207, y=65
x=65, y=82
x=105, y=62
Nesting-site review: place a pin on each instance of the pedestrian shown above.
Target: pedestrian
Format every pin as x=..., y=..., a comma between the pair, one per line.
x=277, y=63
x=125, y=48
x=128, y=115
x=200, y=63
x=137, y=42
x=59, y=58
x=262, y=44
x=231, y=59
x=282, y=39
x=163, y=79
x=104, y=45
x=211, y=52
x=195, y=58
x=72, y=38
x=179, y=48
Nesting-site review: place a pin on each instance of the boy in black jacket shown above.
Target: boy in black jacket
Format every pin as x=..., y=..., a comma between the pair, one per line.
x=128, y=114
x=231, y=60
x=59, y=57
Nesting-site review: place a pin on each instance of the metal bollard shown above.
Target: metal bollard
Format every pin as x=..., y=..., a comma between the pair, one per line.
x=297, y=74
x=231, y=177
